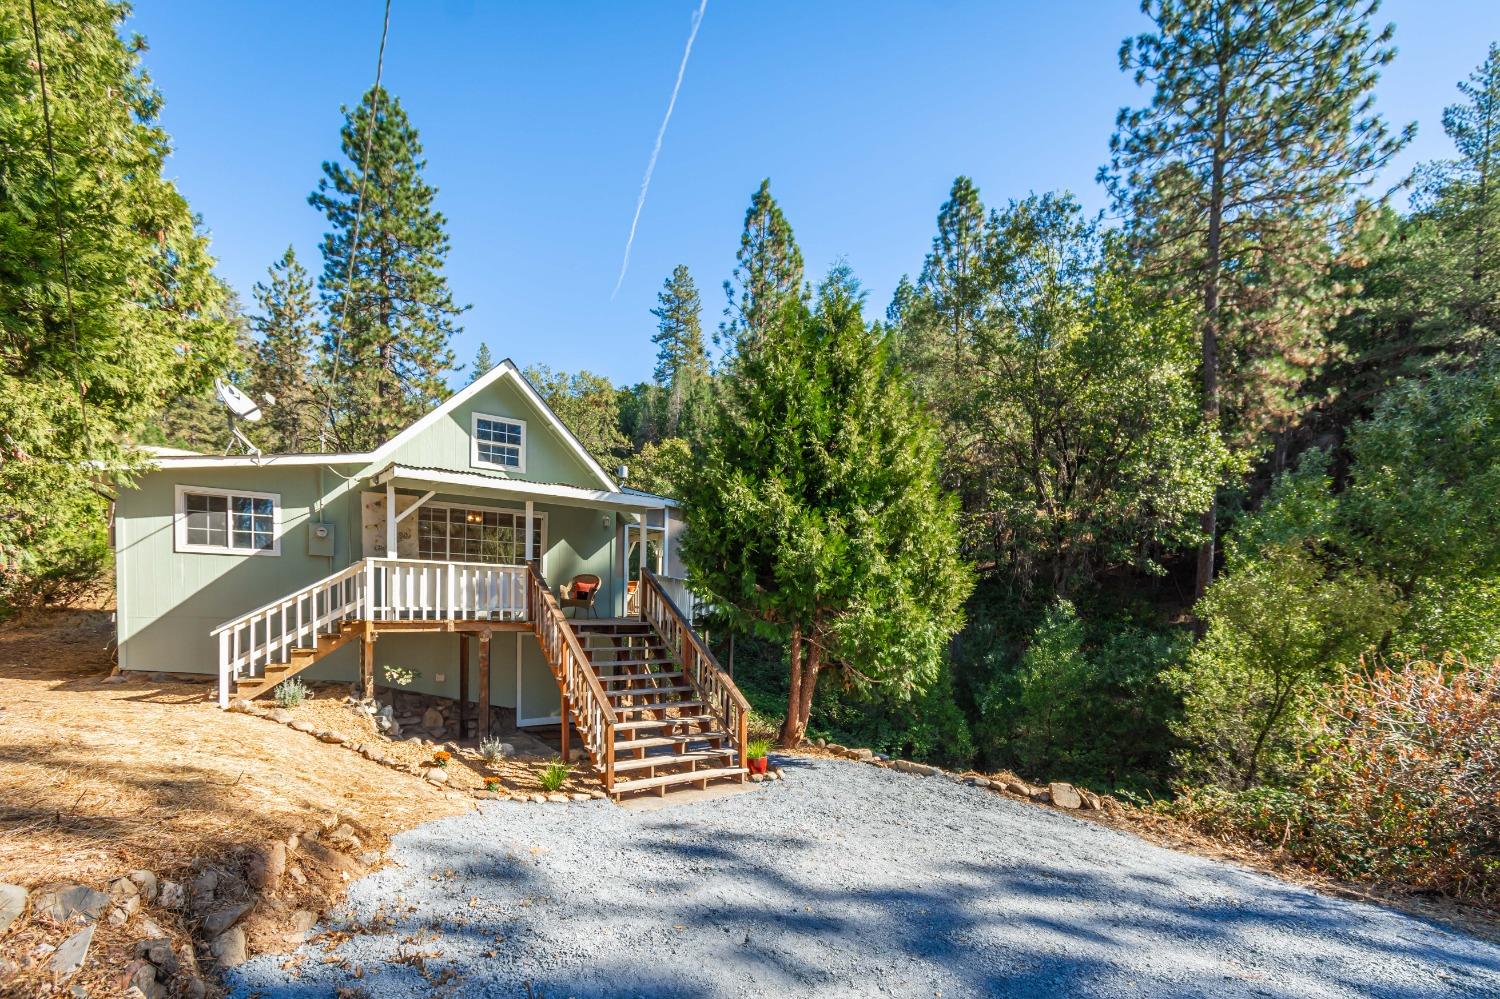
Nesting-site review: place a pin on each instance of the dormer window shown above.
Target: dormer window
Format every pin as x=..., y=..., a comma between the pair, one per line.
x=499, y=442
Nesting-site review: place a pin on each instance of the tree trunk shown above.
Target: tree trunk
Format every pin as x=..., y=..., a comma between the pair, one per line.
x=791, y=730
x=1209, y=520
x=809, y=684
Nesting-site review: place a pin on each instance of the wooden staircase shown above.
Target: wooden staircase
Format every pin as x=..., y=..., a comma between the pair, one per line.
x=251, y=687
x=665, y=736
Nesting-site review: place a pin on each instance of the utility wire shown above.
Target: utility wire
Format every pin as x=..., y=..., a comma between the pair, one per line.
x=57, y=214
x=359, y=212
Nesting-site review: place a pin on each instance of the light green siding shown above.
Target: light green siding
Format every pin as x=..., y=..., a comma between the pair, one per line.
x=169, y=600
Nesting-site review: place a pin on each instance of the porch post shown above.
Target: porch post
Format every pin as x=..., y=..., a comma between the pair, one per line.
x=666, y=541
x=463, y=685
x=390, y=520
x=641, y=586
x=529, y=553
x=564, y=715
x=367, y=662
x=484, y=684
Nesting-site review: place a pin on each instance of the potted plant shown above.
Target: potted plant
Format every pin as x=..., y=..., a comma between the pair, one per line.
x=441, y=758
x=755, y=755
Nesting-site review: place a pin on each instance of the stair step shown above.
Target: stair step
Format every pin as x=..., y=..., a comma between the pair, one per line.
x=635, y=709
x=653, y=661
x=685, y=777
x=637, y=691
x=652, y=742
x=671, y=759
x=634, y=726
x=621, y=677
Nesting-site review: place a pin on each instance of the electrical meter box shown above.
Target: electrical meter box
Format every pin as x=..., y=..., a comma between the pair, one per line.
x=320, y=539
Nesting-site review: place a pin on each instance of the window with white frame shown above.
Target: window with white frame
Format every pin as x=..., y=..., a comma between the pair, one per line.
x=228, y=521
x=459, y=534
x=499, y=441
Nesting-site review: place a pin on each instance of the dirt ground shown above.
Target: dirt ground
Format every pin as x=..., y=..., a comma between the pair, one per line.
x=99, y=779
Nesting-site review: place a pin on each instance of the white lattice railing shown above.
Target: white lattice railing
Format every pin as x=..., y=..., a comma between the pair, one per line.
x=375, y=589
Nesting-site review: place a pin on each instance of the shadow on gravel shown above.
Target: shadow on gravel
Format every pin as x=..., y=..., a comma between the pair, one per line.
x=790, y=893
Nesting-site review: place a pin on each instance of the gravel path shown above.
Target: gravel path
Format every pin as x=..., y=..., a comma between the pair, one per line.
x=848, y=880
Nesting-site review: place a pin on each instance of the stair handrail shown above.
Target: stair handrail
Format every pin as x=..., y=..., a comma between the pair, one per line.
x=581, y=686
x=699, y=664
x=290, y=621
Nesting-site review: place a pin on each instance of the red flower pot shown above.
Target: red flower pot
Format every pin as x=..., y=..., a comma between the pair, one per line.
x=757, y=764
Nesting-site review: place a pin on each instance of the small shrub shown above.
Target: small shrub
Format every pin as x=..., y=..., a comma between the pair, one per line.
x=554, y=777
x=492, y=750
x=758, y=749
x=401, y=676
x=290, y=693
x=492, y=783
x=1400, y=782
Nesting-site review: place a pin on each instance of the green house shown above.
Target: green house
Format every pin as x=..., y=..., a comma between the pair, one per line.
x=482, y=548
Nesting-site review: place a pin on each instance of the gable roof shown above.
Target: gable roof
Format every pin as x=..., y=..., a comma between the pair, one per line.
x=505, y=369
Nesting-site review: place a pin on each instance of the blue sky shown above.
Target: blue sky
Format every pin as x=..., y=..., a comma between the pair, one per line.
x=538, y=119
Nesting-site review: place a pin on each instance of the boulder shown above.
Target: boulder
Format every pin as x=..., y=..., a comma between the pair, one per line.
x=305, y=726
x=302, y=922
x=344, y=836
x=920, y=769
x=204, y=886
x=159, y=952
x=172, y=895
x=266, y=867
x=558, y=798
x=140, y=979
x=125, y=901
x=757, y=778
x=12, y=904
x=1064, y=795
x=437, y=775
x=977, y=781
x=1041, y=795
x=579, y=796
x=72, y=952
x=862, y=755
x=219, y=920
x=1090, y=799
x=280, y=715
x=71, y=902
x=146, y=882
x=229, y=948
x=331, y=737
x=432, y=720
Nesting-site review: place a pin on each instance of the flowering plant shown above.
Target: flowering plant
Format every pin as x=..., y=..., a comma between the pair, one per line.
x=492, y=783
x=441, y=757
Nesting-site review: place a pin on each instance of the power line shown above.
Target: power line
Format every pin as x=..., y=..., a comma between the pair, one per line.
x=57, y=214
x=359, y=212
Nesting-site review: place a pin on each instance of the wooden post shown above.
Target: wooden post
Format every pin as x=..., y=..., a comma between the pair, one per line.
x=640, y=586
x=367, y=661
x=390, y=523
x=484, y=684
x=463, y=685
x=565, y=727
x=529, y=553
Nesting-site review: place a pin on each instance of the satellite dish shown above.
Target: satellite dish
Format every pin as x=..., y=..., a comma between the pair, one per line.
x=241, y=407
x=239, y=403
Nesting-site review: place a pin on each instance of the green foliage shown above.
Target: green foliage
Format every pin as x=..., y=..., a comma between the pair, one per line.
x=758, y=749
x=1399, y=769
x=483, y=362
x=1066, y=395
x=491, y=750
x=813, y=508
x=1236, y=178
x=401, y=676
x=68, y=558
x=287, y=323
x=658, y=467
x=767, y=275
x=386, y=348
x=553, y=776
x=1280, y=628
x=681, y=360
x=290, y=693
x=587, y=404
x=87, y=358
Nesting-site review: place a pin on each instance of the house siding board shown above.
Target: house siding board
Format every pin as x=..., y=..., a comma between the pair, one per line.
x=446, y=444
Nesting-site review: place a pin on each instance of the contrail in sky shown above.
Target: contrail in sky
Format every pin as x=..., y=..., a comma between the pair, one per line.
x=661, y=133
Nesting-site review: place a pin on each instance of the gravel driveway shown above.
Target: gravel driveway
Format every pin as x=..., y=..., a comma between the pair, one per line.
x=850, y=880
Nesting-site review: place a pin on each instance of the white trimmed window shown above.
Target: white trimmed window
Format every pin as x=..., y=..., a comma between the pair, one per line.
x=228, y=522
x=456, y=534
x=499, y=442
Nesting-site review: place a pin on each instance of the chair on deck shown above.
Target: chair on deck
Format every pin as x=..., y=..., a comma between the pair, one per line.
x=580, y=594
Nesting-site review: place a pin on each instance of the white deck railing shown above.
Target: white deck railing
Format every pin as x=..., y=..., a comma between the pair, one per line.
x=375, y=589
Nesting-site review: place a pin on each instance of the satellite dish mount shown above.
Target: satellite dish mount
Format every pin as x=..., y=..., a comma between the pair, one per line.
x=239, y=407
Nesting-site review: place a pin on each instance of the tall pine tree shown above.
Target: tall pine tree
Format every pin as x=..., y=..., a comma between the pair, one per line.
x=286, y=322
x=482, y=361
x=386, y=348
x=1236, y=176
x=109, y=307
x=767, y=274
x=681, y=361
